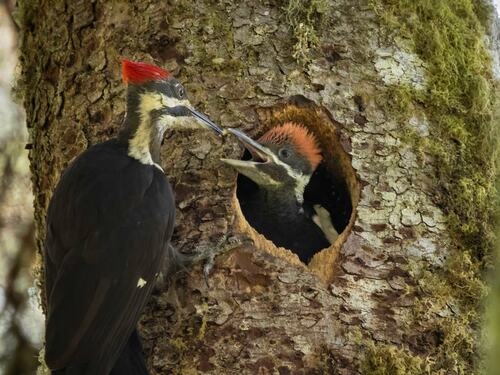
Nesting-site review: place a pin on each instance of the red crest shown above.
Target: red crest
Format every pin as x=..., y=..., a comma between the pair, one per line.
x=138, y=72
x=298, y=135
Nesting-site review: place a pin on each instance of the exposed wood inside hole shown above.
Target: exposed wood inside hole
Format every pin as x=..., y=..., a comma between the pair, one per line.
x=335, y=181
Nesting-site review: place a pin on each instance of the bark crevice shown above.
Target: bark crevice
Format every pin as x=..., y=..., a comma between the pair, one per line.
x=396, y=275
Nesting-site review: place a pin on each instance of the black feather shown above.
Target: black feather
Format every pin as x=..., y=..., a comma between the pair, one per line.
x=280, y=218
x=109, y=224
x=131, y=359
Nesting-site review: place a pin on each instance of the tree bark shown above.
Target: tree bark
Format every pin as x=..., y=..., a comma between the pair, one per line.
x=383, y=299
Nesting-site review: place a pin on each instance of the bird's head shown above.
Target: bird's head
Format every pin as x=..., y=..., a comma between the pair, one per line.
x=153, y=93
x=284, y=157
x=155, y=101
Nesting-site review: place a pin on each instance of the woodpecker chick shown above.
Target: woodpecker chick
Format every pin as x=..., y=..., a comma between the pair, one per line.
x=283, y=161
x=109, y=225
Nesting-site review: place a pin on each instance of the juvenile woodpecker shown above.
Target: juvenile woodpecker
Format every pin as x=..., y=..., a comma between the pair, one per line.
x=283, y=161
x=109, y=224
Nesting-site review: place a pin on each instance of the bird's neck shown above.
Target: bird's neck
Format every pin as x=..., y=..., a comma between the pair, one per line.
x=281, y=199
x=141, y=132
x=287, y=198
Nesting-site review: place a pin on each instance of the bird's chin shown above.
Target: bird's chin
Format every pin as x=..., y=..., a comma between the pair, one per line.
x=250, y=169
x=241, y=165
x=181, y=123
x=170, y=122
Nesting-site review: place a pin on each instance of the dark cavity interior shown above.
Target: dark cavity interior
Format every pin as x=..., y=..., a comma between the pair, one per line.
x=327, y=187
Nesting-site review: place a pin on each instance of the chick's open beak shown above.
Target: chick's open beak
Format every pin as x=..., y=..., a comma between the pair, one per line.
x=261, y=156
x=259, y=152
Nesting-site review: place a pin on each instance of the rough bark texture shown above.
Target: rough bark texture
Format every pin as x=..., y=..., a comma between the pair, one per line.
x=386, y=306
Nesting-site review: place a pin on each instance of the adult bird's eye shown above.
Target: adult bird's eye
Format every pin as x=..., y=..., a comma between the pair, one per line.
x=180, y=91
x=284, y=153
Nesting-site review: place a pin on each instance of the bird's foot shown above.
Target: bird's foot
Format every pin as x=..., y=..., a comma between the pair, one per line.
x=173, y=262
x=224, y=244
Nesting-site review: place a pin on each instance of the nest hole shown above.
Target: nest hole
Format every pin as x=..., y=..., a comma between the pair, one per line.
x=333, y=185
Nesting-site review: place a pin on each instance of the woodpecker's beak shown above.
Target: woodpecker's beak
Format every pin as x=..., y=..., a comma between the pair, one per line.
x=257, y=169
x=204, y=120
x=256, y=149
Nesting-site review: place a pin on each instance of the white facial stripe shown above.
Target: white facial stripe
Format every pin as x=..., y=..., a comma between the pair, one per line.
x=152, y=100
x=139, y=144
x=249, y=169
x=138, y=147
x=174, y=102
x=149, y=102
x=302, y=179
x=186, y=122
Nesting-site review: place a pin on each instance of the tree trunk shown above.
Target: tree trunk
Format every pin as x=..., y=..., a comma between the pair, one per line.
x=400, y=291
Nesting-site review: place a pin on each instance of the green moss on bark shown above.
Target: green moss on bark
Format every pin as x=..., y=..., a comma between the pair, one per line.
x=455, y=294
x=390, y=360
x=304, y=17
x=459, y=100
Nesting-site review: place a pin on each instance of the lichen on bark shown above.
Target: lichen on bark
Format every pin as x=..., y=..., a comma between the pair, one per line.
x=394, y=294
x=449, y=37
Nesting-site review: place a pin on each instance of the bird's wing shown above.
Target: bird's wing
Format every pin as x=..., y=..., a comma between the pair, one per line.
x=95, y=304
x=100, y=284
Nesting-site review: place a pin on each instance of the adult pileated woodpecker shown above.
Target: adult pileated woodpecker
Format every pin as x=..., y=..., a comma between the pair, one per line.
x=283, y=162
x=109, y=224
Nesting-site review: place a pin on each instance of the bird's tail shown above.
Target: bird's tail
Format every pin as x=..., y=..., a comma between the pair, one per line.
x=130, y=362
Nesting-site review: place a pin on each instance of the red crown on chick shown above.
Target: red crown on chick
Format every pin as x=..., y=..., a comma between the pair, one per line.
x=297, y=135
x=138, y=72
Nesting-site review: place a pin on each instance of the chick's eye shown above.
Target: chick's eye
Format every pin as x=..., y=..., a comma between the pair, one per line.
x=284, y=153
